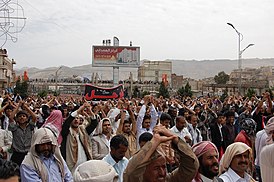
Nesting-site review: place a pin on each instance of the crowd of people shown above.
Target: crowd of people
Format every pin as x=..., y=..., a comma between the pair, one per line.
x=149, y=139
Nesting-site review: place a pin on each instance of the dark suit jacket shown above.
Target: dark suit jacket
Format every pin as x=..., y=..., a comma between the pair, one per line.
x=216, y=136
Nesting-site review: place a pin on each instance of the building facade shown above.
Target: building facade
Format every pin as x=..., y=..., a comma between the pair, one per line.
x=154, y=71
x=7, y=74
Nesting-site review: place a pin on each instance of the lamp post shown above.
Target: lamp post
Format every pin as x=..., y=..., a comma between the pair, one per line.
x=240, y=52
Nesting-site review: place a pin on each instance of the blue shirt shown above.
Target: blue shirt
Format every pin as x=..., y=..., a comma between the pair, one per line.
x=119, y=167
x=29, y=174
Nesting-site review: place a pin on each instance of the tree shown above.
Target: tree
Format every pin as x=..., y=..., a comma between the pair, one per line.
x=221, y=78
x=181, y=91
x=43, y=93
x=185, y=91
x=145, y=92
x=224, y=95
x=163, y=91
x=250, y=92
x=188, y=90
x=21, y=88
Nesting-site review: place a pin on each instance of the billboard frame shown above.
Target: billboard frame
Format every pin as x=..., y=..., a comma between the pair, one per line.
x=115, y=56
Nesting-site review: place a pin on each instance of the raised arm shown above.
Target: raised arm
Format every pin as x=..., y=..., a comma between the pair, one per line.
x=154, y=116
x=92, y=119
x=32, y=114
x=141, y=160
x=122, y=120
x=140, y=117
x=133, y=120
x=269, y=101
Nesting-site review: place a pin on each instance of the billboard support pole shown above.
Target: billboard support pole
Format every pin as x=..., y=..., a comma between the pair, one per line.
x=115, y=75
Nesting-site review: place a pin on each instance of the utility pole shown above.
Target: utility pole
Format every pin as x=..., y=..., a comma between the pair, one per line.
x=131, y=84
x=56, y=78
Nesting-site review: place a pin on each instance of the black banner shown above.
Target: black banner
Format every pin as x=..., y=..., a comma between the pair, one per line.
x=95, y=93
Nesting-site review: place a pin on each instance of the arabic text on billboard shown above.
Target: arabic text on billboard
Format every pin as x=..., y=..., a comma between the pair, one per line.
x=116, y=56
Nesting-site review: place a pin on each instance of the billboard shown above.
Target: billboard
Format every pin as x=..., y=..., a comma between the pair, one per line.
x=96, y=93
x=112, y=56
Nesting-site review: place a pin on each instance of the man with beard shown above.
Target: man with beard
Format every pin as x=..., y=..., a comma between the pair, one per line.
x=180, y=129
x=44, y=161
x=207, y=154
x=116, y=157
x=76, y=146
x=235, y=163
x=101, y=141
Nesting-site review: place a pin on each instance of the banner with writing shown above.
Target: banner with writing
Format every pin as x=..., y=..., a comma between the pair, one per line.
x=96, y=93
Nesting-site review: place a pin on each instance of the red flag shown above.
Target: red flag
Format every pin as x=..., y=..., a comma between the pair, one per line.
x=26, y=78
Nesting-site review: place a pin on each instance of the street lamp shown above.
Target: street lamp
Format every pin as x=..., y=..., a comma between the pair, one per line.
x=240, y=52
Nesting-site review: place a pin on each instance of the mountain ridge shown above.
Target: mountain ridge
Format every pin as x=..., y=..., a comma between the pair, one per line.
x=188, y=68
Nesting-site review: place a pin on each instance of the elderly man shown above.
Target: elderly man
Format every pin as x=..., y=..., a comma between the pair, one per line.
x=207, y=154
x=149, y=164
x=44, y=161
x=235, y=163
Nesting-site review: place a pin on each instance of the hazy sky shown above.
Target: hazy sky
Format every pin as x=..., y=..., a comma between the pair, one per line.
x=62, y=32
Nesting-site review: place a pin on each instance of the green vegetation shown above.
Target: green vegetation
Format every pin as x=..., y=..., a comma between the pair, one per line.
x=163, y=91
x=21, y=88
x=221, y=78
x=185, y=91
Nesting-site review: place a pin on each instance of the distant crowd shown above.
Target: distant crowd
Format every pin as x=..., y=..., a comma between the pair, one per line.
x=149, y=139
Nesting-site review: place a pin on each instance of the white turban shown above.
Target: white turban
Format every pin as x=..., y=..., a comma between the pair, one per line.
x=231, y=151
x=95, y=171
